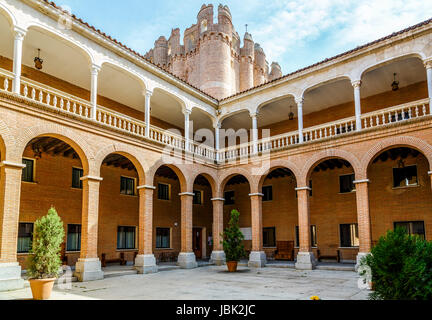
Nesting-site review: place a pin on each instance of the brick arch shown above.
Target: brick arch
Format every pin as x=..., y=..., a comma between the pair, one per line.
x=209, y=175
x=325, y=155
x=128, y=152
x=74, y=139
x=181, y=172
x=7, y=141
x=407, y=141
x=228, y=174
x=275, y=164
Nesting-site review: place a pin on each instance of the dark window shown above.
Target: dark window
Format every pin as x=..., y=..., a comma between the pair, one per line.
x=28, y=171
x=313, y=233
x=25, y=237
x=403, y=177
x=310, y=186
x=349, y=235
x=163, y=191
x=229, y=197
x=74, y=237
x=77, y=174
x=163, y=238
x=126, y=238
x=268, y=193
x=127, y=186
x=269, y=237
x=346, y=183
x=413, y=228
x=197, y=199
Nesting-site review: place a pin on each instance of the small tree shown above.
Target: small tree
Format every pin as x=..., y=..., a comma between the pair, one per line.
x=232, y=239
x=401, y=267
x=44, y=260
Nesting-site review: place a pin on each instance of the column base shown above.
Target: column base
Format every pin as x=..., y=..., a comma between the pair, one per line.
x=360, y=256
x=146, y=263
x=305, y=261
x=218, y=258
x=10, y=277
x=257, y=259
x=88, y=270
x=187, y=260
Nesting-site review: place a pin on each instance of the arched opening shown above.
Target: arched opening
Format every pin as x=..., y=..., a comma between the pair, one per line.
x=376, y=89
x=202, y=220
x=167, y=215
x=333, y=211
x=51, y=178
x=6, y=44
x=236, y=189
x=202, y=125
x=235, y=129
x=118, y=236
x=280, y=227
x=400, y=192
x=166, y=111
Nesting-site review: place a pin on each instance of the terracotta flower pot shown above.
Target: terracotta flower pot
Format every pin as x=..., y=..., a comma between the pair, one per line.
x=41, y=288
x=232, y=266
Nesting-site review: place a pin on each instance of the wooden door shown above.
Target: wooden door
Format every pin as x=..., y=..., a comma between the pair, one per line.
x=197, y=242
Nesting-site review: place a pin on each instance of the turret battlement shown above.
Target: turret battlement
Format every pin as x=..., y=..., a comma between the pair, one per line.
x=212, y=56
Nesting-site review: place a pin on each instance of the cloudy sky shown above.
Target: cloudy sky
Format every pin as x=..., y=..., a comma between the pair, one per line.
x=295, y=33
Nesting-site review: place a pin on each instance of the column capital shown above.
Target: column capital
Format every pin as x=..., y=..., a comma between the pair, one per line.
x=95, y=69
x=148, y=93
x=361, y=181
x=12, y=165
x=146, y=187
x=186, y=111
x=256, y=195
x=190, y=194
x=299, y=101
x=428, y=63
x=303, y=189
x=20, y=33
x=253, y=114
x=430, y=173
x=91, y=178
x=356, y=83
x=217, y=125
x=217, y=199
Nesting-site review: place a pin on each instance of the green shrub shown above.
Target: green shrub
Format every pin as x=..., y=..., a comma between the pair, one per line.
x=44, y=260
x=233, y=239
x=401, y=267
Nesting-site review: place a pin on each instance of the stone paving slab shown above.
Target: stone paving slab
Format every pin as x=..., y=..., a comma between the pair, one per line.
x=215, y=283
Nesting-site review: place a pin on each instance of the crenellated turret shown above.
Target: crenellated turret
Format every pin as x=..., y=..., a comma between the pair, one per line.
x=276, y=71
x=225, y=20
x=161, y=51
x=174, y=47
x=247, y=63
x=205, y=18
x=260, y=73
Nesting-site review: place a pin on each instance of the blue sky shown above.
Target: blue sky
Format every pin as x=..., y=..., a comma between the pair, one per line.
x=295, y=33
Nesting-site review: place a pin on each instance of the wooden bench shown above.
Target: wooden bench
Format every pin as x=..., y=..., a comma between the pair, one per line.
x=120, y=260
x=337, y=257
x=284, y=251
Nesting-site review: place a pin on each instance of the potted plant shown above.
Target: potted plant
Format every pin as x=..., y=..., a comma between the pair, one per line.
x=44, y=263
x=232, y=242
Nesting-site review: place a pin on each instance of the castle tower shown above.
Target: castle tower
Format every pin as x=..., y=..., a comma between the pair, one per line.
x=247, y=56
x=212, y=57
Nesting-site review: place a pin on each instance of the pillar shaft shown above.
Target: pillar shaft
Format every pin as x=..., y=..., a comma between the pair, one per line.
x=254, y=132
x=17, y=60
x=186, y=222
x=428, y=65
x=256, y=212
x=94, y=90
x=90, y=213
x=145, y=233
x=357, y=102
x=304, y=219
x=363, y=216
x=217, y=224
x=187, y=128
x=300, y=118
x=147, y=113
x=10, y=193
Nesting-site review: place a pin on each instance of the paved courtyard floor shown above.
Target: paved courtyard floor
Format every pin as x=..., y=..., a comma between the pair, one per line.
x=214, y=283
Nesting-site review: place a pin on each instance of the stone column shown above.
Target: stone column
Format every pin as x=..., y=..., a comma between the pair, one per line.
x=428, y=65
x=217, y=128
x=305, y=257
x=186, y=258
x=254, y=117
x=357, y=101
x=257, y=258
x=363, y=219
x=17, y=59
x=10, y=195
x=300, y=118
x=145, y=261
x=187, y=113
x=148, y=95
x=94, y=89
x=218, y=254
x=88, y=267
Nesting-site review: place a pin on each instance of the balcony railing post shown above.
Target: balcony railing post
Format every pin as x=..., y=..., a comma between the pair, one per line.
x=300, y=102
x=17, y=59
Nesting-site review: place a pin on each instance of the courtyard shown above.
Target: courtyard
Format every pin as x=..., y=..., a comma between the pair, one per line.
x=212, y=283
